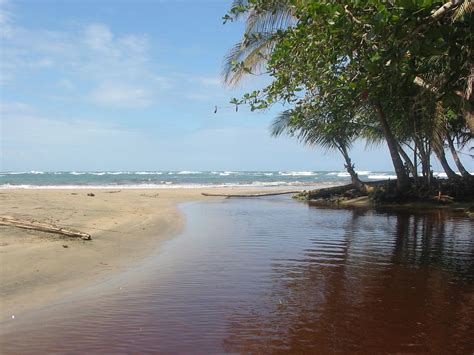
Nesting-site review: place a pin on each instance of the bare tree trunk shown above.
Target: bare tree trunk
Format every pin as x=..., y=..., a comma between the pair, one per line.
x=408, y=162
x=461, y=167
x=402, y=177
x=425, y=160
x=444, y=163
x=350, y=169
x=468, y=102
x=415, y=161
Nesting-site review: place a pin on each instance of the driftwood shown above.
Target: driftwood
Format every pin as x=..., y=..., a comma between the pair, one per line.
x=324, y=192
x=327, y=192
x=254, y=195
x=42, y=227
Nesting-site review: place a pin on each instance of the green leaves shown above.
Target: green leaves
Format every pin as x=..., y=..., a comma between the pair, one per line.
x=337, y=58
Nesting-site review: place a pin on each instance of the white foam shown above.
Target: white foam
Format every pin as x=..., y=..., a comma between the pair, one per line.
x=343, y=174
x=36, y=172
x=166, y=184
x=76, y=173
x=363, y=172
x=297, y=173
x=186, y=172
x=98, y=174
x=148, y=173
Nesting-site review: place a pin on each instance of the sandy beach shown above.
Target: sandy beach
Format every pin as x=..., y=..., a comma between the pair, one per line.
x=126, y=226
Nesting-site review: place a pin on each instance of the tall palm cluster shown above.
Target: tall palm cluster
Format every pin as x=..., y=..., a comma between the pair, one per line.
x=435, y=114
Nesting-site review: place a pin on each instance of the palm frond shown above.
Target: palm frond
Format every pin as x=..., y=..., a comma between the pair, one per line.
x=251, y=56
x=467, y=7
x=310, y=130
x=258, y=41
x=439, y=128
x=279, y=17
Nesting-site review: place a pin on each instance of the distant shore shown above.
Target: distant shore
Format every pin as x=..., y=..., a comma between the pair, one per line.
x=126, y=226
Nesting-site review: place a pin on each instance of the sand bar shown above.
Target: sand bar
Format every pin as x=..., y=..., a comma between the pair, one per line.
x=126, y=225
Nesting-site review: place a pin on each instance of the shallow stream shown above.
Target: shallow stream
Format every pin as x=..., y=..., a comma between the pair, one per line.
x=274, y=275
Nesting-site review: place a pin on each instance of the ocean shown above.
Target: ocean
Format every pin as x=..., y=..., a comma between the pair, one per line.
x=182, y=179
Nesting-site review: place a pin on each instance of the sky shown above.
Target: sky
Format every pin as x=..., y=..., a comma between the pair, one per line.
x=132, y=85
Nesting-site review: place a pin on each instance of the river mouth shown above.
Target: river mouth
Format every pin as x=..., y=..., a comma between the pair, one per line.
x=274, y=275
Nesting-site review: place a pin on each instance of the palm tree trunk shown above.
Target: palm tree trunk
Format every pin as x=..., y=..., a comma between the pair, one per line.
x=456, y=159
x=425, y=159
x=444, y=163
x=415, y=162
x=350, y=169
x=408, y=162
x=402, y=177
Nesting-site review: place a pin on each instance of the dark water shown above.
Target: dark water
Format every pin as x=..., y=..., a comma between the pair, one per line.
x=274, y=275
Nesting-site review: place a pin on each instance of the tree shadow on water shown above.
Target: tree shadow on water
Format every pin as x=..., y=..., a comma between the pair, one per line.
x=378, y=282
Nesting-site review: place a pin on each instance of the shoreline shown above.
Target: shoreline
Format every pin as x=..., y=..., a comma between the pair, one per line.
x=38, y=268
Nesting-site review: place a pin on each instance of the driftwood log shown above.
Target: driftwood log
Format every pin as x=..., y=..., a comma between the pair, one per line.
x=327, y=192
x=273, y=193
x=324, y=192
x=42, y=227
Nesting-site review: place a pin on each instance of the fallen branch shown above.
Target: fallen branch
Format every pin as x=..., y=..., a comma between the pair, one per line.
x=42, y=227
x=253, y=195
x=327, y=192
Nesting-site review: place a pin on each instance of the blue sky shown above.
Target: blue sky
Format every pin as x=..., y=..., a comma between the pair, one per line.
x=132, y=85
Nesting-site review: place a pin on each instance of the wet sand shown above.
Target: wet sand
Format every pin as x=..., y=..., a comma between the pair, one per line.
x=37, y=268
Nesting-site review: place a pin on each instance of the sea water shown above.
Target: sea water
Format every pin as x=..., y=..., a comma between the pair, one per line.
x=183, y=179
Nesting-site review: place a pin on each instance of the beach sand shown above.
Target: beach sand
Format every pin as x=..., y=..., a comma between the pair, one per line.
x=126, y=225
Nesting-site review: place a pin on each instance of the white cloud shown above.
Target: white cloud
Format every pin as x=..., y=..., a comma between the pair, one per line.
x=5, y=14
x=8, y=109
x=98, y=37
x=207, y=80
x=121, y=96
x=102, y=68
x=90, y=56
x=34, y=141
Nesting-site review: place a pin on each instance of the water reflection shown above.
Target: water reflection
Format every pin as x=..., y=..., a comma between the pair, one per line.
x=391, y=283
x=274, y=275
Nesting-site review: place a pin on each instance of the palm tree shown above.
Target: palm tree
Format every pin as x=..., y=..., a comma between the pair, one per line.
x=250, y=54
x=325, y=132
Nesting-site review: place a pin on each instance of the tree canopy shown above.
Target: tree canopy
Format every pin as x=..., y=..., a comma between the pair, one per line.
x=397, y=70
